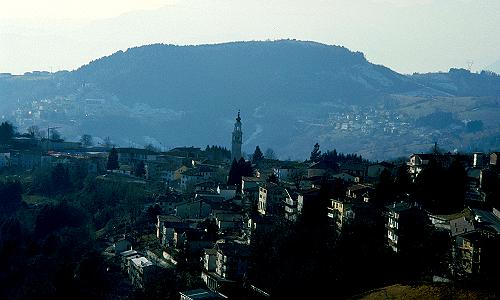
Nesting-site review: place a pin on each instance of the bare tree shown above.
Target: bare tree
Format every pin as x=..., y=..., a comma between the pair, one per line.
x=34, y=131
x=270, y=154
x=151, y=147
x=107, y=142
x=87, y=140
x=55, y=135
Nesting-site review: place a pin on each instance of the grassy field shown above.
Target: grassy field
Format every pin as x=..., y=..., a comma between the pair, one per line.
x=424, y=291
x=36, y=199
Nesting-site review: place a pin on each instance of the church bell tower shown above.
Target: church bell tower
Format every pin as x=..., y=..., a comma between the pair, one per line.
x=237, y=139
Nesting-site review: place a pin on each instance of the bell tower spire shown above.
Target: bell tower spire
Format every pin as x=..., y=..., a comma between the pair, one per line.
x=237, y=139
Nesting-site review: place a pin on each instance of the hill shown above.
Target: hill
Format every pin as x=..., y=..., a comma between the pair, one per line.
x=291, y=94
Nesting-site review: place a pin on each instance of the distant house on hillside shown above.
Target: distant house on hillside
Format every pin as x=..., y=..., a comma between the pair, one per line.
x=131, y=155
x=4, y=160
x=186, y=152
x=25, y=160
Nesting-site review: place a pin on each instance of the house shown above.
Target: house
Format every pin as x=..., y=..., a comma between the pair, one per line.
x=271, y=199
x=476, y=254
x=350, y=211
x=227, y=191
x=122, y=245
x=287, y=173
x=494, y=158
x=354, y=168
x=209, y=260
x=189, y=178
x=318, y=169
x=59, y=145
x=259, y=222
x=193, y=209
x=208, y=274
x=478, y=160
x=207, y=171
x=250, y=189
x=418, y=162
x=345, y=177
x=404, y=222
x=165, y=226
x=187, y=152
x=373, y=171
x=208, y=186
x=142, y=271
x=487, y=221
x=168, y=202
x=132, y=155
x=173, y=173
x=191, y=240
x=360, y=192
x=306, y=198
x=444, y=222
x=126, y=258
x=291, y=205
x=155, y=170
x=461, y=225
x=232, y=260
x=225, y=265
x=25, y=160
x=201, y=294
x=228, y=221
x=250, y=182
x=196, y=175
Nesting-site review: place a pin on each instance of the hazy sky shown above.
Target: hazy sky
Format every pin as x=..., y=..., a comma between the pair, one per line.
x=406, y=35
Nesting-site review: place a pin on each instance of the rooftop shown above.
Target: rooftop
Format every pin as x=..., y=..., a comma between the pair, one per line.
x=142, y=262
x=487, y=219
x=252, y=179
x=399, y=207
x=201, y=294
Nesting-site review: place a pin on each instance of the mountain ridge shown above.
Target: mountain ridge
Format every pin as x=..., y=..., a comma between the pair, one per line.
x=189, y=94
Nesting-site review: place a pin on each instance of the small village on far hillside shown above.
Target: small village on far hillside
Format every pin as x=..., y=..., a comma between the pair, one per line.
x=190, y=223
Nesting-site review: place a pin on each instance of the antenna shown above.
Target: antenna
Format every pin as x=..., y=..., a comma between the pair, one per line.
x=470, y=62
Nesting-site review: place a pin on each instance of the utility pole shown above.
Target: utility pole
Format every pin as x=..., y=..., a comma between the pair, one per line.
x=48, y=135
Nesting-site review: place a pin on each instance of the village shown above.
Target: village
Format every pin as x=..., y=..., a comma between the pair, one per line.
x=219, y=216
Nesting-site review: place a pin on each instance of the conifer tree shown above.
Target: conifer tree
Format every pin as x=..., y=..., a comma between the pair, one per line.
x=140, y=169
x=112, y=160
x=315, y=153
x=257, y=155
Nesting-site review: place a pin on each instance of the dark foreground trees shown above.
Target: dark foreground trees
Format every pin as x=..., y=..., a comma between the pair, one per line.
x=10, y=197
x=239, y=169
x=7, y=132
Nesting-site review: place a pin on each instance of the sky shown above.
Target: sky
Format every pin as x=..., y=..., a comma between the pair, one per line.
x=406, y=35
